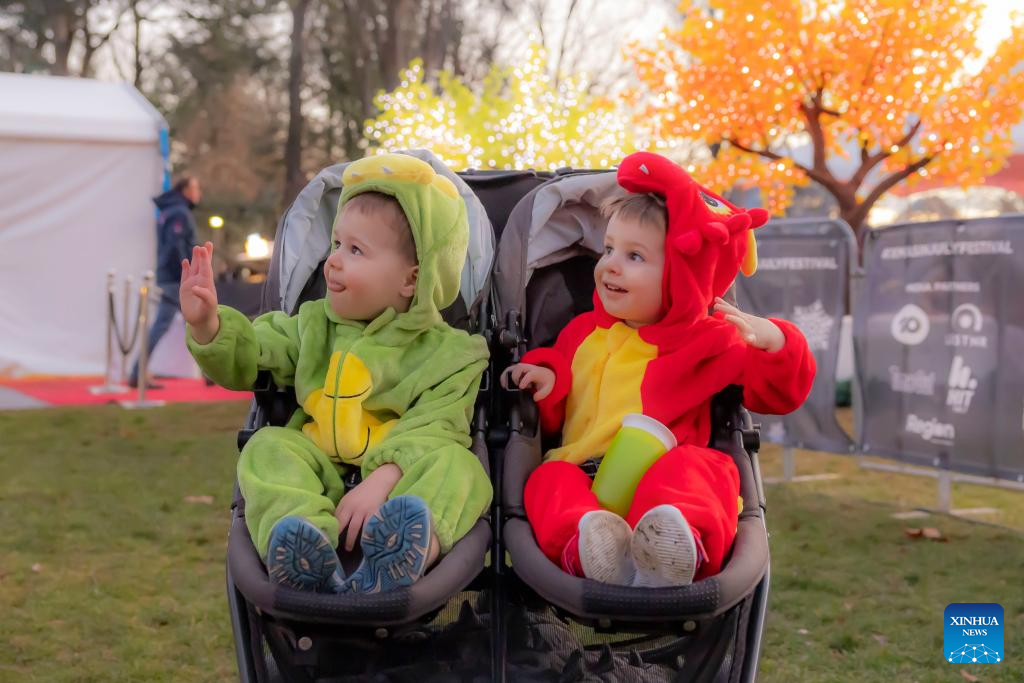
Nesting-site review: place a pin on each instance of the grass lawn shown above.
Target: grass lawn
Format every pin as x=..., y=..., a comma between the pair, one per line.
x=109, y=573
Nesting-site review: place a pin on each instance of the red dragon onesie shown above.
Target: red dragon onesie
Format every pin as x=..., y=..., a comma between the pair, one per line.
x=668, y=370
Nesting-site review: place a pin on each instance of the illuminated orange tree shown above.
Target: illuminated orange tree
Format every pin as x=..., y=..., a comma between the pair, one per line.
x=898, y=83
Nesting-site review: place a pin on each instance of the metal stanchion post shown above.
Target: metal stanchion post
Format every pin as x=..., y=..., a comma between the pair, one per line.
x=143, y=322
x=108, y=387
x=127, y=313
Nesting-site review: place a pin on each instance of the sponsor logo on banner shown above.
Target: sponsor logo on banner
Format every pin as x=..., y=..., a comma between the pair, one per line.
x=910, y=325
x=815, y=323
x=931, y=430
x=967, y=321
x=918, y=382
x=973, y=633
x=962, y=385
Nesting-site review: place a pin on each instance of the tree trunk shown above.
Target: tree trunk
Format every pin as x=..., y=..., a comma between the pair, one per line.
x=63, y=37
x=294, y=178
x=851, y=216
x=137, y=44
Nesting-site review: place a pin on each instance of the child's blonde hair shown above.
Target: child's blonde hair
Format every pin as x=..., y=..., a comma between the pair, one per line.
x=645, y=208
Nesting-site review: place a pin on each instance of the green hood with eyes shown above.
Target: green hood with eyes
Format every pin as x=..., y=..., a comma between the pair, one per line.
x=437, y=215
x=398, y=389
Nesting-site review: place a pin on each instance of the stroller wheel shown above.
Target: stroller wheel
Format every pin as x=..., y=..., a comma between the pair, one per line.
x=301, y=556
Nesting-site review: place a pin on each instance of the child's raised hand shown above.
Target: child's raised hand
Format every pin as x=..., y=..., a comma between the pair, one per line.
x=760, y=333
x=525, y=375
x=198, y=295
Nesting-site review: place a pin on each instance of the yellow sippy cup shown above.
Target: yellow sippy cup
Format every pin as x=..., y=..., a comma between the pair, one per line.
x=639, y=442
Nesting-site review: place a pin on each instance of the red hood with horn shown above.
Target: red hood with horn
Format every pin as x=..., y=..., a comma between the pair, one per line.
x=707, y=242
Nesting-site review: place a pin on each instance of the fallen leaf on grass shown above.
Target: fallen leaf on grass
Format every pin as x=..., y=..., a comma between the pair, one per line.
x=882, y=640
x=968, y=676
x=37, y=567
x=205, y=500
x=929, y=532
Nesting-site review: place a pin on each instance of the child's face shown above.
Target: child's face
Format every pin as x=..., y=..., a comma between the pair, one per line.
x=366, y=271
x=628, y=276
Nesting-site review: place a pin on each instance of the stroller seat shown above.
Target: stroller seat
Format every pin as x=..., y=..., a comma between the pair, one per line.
x=544, y=278
x=597, y=602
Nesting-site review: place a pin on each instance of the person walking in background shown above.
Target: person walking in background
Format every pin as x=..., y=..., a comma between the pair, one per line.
x=176, y=235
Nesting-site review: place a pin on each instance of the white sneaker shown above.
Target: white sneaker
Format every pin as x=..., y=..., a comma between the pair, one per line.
x=663, y=549
x=604, y=548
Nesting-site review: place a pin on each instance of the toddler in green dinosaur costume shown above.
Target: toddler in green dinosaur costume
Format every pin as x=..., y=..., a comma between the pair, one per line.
x=383, y=384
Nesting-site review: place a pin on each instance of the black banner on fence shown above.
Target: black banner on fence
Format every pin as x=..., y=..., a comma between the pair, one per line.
x=940, y=345
x=803, y=275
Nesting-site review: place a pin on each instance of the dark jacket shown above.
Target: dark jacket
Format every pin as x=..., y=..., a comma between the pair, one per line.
x=175, y=235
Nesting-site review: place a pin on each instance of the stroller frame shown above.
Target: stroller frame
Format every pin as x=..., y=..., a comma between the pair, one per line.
x=285, y=639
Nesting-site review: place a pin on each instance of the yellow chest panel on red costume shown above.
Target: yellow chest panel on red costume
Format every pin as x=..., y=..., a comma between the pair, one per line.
x=607, y=372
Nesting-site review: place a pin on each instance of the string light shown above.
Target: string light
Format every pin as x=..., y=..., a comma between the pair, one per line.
x=518, y=118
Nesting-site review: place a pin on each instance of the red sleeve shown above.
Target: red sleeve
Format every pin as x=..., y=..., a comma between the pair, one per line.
x=778, y=383
x=558, y=359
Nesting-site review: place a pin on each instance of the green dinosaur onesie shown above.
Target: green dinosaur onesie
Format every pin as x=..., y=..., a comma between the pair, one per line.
x=399, y=389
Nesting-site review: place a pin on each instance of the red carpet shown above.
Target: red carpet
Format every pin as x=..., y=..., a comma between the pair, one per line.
x=64, y=391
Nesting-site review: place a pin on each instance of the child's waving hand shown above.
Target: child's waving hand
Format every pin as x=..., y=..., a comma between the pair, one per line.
x=760, y=333
x=199, y=295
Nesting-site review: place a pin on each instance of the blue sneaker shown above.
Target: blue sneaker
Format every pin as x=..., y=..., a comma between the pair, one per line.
x=395, y=544
x=300, y=556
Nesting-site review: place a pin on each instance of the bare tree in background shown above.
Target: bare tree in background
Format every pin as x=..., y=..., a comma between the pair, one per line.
x=362, y=47
x=137, y=20
x=57, y=36
x=294, y=178
x=256, y=106
x=580, y=35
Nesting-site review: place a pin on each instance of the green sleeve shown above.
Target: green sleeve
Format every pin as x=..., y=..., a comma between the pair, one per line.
x=242, y=348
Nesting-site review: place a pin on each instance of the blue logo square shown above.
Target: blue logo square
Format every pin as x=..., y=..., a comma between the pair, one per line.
x=974, y=633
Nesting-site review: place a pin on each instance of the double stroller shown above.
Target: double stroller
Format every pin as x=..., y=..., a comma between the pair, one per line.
x=495, y=608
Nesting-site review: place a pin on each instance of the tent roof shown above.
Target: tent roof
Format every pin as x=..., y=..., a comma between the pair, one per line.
x=79, y=109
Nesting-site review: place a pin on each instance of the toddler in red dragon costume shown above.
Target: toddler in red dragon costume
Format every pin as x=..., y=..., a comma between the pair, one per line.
x=662, y=342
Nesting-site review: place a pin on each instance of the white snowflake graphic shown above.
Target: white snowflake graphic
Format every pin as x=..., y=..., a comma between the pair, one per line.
x=815, y=324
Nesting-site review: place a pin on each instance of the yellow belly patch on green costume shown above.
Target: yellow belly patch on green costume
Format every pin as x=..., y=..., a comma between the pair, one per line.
x=341, y=427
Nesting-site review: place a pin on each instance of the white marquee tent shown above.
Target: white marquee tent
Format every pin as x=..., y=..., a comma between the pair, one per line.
x=80, y=161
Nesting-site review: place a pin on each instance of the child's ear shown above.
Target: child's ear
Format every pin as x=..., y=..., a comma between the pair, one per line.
x=409, y=286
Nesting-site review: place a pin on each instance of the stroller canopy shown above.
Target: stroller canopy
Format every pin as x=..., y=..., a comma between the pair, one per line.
x=557, y=221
